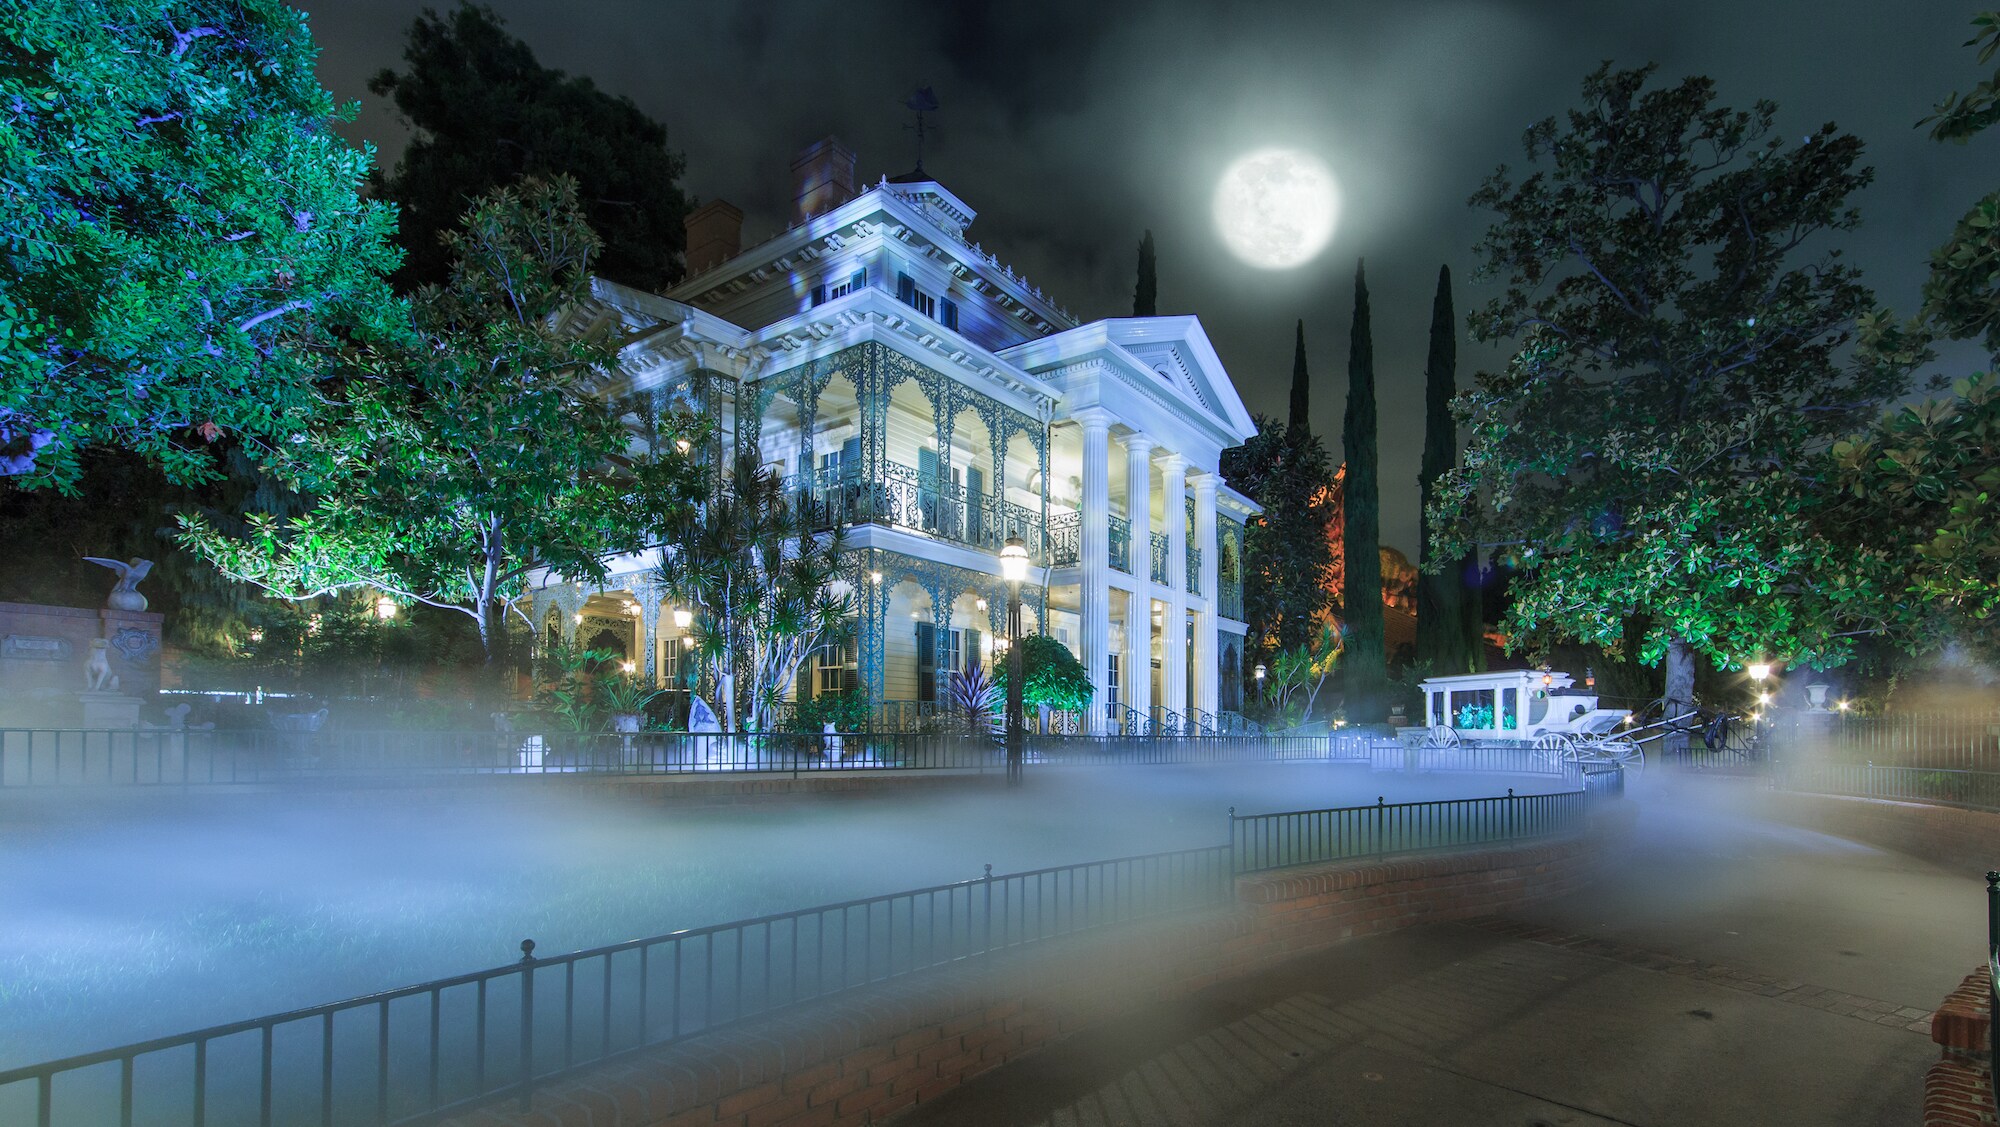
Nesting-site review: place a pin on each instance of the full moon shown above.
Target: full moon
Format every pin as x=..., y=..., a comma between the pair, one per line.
x=1275, y=208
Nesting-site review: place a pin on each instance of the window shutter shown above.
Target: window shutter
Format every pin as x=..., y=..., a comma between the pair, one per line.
x=859, y=279
x=971, y=655
x=950, y=313
x=926, y=661
x=906, y=289
x=819, y=295
x=850, y=459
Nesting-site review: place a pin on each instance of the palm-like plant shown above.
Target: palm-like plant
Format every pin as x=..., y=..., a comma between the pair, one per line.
x=756, y=565
x=975, y=700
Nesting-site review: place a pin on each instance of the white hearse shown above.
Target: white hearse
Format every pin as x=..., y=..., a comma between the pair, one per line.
x=1543, y=708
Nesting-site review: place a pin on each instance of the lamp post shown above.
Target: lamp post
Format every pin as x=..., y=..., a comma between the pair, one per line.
x=1014, y=569
x=1260, y=682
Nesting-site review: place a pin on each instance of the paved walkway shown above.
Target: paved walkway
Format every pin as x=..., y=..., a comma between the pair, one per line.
x=1727, y=970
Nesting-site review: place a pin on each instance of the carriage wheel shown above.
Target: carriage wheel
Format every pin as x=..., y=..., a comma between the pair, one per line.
x=1626, y=752
x=1555, y=747
x=1441, y=736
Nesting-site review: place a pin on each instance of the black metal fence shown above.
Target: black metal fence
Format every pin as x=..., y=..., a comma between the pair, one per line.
x=1305, y=837
x=1963, y=741
x=1993, y=985
x=1978, y=790
x=412, y=1054
x=141, y=757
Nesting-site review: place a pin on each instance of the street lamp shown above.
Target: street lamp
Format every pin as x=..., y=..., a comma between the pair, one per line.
x=385, y=608
x=1014, y=569
x=1260, y=682
x=1759, y=671
x=683, y=618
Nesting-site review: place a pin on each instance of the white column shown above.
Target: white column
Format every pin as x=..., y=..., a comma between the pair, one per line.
x=1173, y=631
x=1207, y=686
x=1095, y=551
x=1139, y=554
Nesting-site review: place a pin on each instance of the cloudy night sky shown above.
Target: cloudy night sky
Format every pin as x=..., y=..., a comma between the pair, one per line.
x=1071, y=127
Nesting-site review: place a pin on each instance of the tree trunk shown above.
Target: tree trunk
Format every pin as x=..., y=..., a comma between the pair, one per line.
x=1679, y=697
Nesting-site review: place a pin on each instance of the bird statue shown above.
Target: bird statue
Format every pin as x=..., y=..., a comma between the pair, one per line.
x=125, y=593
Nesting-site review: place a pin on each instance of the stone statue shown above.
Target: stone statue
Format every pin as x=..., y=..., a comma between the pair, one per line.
x=125, y=594
x=831, y=742
x=97, y=676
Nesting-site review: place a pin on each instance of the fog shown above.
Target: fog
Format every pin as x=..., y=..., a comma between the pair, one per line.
x=132, y=915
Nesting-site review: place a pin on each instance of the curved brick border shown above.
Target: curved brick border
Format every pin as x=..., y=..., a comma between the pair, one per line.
x=865, y=1056
x=1958, y=1091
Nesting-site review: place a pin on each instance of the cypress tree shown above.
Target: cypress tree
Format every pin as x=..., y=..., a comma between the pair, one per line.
x=1441, y=635
x=1361, y=598
x=1301, y=386
x=1146, y=298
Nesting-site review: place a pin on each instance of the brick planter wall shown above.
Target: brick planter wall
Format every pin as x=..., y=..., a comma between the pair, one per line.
x=865, y=1056
x=1945, y=834
x=1958, y=1090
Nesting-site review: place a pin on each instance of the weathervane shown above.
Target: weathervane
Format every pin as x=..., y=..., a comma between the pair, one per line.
x=921, y=101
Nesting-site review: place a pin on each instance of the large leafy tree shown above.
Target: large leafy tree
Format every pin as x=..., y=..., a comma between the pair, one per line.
x=1289, y=586
x=1679, y=326
x=486, y=113
x=757, y=566
x=1926, y=476
x=476, y=448
x=1361, y=516
x=182, y=230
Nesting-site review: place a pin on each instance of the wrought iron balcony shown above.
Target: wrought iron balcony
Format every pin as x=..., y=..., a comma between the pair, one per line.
x=1121, y=544
x=917, y=502
x=1193, y=569
x=1230, y=599
x=1159, y=558
x=1066, y=539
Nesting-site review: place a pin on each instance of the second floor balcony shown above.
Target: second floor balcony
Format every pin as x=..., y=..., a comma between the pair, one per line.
x=907, y=499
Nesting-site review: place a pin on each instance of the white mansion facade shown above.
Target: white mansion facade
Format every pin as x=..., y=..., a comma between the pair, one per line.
x=876, y=357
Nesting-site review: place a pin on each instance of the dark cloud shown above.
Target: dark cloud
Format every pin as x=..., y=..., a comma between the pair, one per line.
x=1072, y=126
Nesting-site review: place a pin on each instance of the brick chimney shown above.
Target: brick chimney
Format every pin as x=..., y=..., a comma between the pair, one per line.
x=714, y=235
x=822, y=178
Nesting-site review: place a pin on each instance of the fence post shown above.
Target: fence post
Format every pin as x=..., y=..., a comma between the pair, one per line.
x=1510, y=813
x=1229, y=840
x=527, y=1022
x=1993, y=982
x=989, y=908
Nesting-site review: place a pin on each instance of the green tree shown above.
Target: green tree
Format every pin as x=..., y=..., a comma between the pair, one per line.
x=1924, y=478
x=1288, y=589
x=1146, y=296
x=757, y=565
x=1299, y=420
x=485, y=114
x=1650, y=449
x=1441, y=635
x=1361, y=534
x=1051, y=676
x=184, y=231
x=475, y=448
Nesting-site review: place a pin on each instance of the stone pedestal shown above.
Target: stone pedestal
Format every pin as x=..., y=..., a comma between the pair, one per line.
x=109, y=710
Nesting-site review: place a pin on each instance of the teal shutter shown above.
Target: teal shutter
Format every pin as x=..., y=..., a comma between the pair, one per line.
x=970, y=658
x=926, y=662
x=975, y=497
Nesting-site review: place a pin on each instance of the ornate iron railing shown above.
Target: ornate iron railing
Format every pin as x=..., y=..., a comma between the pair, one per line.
x=1159, y=558
x=1193, y=569
x=1065, y=539
x=1121, y=544
x=908, y=499
x=1229, y=600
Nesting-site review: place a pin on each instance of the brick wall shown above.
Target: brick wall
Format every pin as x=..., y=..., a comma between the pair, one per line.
x=1945, y=834
x=1958, y=1089
x=864, y=1057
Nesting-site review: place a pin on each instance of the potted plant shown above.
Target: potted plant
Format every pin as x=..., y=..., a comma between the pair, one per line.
x=625, y=698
